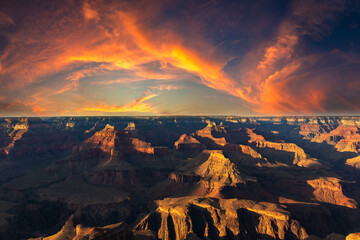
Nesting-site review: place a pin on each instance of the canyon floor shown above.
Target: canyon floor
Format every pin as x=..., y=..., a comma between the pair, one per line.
x=222, y=177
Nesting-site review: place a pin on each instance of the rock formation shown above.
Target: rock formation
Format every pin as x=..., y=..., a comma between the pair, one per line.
x=179, y=178
x=354, y=162
x=345, y=138
x=211, y=171
x=329, y=190
x=206, y=133
x=353, y=236
x=118, y=231
x=211, y=218
x=186, y=142
x=300, y=157
x=109, y=138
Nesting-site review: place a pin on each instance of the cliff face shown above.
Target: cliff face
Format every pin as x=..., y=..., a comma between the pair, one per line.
x=216, y=173
x=353, y=236
x=183, y=218
x=210, y=172
x=28, y=138
x=16, y=134
x=109, y=138
x=123, y=160
x=103, y=140
x=300, y=157
x=249, y=151
x=237, y=178
x=187, y=142
x=329, y=190
x=345, y=137
x=354, y=162
x=206, y=133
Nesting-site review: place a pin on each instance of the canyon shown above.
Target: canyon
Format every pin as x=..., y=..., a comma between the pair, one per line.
x=179, y=177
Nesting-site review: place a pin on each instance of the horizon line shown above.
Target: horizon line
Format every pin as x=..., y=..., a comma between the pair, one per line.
x=185, y=115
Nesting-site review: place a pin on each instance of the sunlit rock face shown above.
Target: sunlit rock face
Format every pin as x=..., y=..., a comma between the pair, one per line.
x=209, y=174
x=345, y=137
x=206, y=134
x=353, y=236
x=187, y=142
x=354, y=162
x=329, y=190
x=183, y=218
x=109, y=138
x=28, y=138
x=300, y=157
x=179, y=178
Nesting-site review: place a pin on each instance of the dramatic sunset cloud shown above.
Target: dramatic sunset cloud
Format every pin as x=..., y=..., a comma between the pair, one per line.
x=260, y=57
x=139, y=105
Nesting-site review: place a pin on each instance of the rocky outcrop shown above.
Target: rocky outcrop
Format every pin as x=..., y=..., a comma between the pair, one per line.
x=217, y=172
x=212, y=171
x=187, y=142
x=309, y=131
x=300, y=157
x=345, y=138
x=130, y=127
x=211, y=218
x=353, y=236
x=16, y=134
x=109, y=138
x=353, y=162
x=103, y=140
x=118, y=231
x=249, y=151
x=206, y=133
x=29, y=138
x=329, y=190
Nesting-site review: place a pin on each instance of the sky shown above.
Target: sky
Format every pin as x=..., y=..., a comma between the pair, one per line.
x=170, y=57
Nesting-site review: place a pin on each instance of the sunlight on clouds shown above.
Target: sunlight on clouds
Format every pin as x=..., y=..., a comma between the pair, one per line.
x=75, y=50
x=136, y=106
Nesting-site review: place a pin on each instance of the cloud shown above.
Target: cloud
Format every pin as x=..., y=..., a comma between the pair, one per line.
x=89, y=13
x=282, y=79
x=165, y=87
x=38, y=110
x=118, y=40
x=140, y=105
x=59, y=49
x=5, y=20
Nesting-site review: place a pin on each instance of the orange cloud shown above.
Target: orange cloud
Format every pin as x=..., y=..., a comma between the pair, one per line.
x=118, y=41
x=103, y=39
x=89, y=13
x=136, y=106
x=38, y=110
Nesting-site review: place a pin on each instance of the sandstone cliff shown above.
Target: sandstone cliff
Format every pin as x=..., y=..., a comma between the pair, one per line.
x=354, y=162
x=187, y=142
x=211, y=218
x=353, y=236
x=211, y=171
x=329, y=190
x=206, y=133
x=300, y=157
x=109, y=138
x=344, y=137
